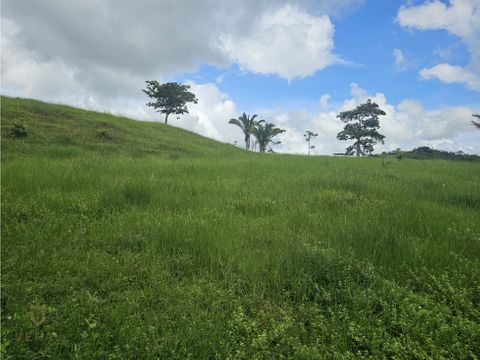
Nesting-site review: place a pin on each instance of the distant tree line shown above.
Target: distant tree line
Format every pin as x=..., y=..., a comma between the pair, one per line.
x=425, y=152
x=361, y=124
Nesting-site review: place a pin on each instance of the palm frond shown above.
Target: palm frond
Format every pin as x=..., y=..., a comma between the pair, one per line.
x=237, y=122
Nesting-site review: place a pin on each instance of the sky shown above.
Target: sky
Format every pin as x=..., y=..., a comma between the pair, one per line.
x=294, y=63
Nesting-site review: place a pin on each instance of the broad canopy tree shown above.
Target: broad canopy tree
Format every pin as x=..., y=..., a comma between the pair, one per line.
x=265, y=134
x=247, y=123
x=169, y=98
x=362, y=125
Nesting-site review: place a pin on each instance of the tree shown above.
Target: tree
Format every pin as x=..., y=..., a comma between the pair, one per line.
x=169, y=98
x=308, y=137
x=476, y=123
x=265, y=134
x=361, y=125
x=247, y=123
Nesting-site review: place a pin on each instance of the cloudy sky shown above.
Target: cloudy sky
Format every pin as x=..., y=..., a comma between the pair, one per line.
x=295, y=63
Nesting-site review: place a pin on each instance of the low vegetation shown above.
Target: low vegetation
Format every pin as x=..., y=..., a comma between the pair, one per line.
x=425, y=152
x=153, y=242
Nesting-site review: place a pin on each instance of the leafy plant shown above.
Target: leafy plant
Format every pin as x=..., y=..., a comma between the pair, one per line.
x=103, y=135
x=18, y=130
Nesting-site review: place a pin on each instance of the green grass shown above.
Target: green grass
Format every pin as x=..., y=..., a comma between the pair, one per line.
x=153, y=242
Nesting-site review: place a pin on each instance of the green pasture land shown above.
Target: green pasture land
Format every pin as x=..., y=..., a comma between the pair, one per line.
x=124, y=239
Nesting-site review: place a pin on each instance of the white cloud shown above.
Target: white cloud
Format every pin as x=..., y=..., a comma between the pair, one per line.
x=400, y=62
x=451, y=74
x=460, y=18
x=287, y=42
x=97, y=55
x=211, y=115
x=324, y=99
x=100, y=42
x=406, y=125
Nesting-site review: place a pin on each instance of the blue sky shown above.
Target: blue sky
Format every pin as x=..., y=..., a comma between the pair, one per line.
x=366, y=40
x=295, y=63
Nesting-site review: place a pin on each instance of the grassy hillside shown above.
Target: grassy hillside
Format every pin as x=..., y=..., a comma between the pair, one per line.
x=153, y=242
x=58, y=131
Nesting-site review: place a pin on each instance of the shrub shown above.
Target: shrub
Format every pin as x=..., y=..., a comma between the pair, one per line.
x=18, y=130
x=104, y=135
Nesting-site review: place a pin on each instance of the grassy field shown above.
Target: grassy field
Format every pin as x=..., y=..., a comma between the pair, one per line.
x=125, y=239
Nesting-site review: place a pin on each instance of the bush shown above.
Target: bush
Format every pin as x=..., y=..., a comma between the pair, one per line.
x=18, y=130
x=104, y=135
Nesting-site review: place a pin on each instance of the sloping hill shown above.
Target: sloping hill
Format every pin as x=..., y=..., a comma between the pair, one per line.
x=133, y=240
x=59, y=130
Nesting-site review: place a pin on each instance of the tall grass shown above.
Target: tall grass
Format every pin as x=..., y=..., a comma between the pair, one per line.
x=204, y=251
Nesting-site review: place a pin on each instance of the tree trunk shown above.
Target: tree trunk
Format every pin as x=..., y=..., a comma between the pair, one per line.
x=166, y=117
x=247, y=142
x=308, y=147
x=358, y=149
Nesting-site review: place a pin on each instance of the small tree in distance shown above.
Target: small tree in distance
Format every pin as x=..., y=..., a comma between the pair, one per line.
x=361, y=125
x=476, y=124
x=169, y=98
x=308, y=137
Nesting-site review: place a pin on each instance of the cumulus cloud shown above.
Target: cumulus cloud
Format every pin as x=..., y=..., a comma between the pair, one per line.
x=451, y=74
x=458, y=17
x=287, y=42
x=211, y=115
x=108, y=46
x=406, y=125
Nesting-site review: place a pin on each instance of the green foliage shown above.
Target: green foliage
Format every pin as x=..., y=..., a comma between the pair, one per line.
x=248, y=124
x=103, y=135
x=424, y=152
x=476, y=124
x=362, y=125
x=265, y=134
x=164, y=244
x=18, y=130
x=169, y=98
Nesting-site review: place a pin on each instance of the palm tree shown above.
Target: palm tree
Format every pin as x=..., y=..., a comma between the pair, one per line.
x=476, y=123
x=247, y=123
x=265, y=134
